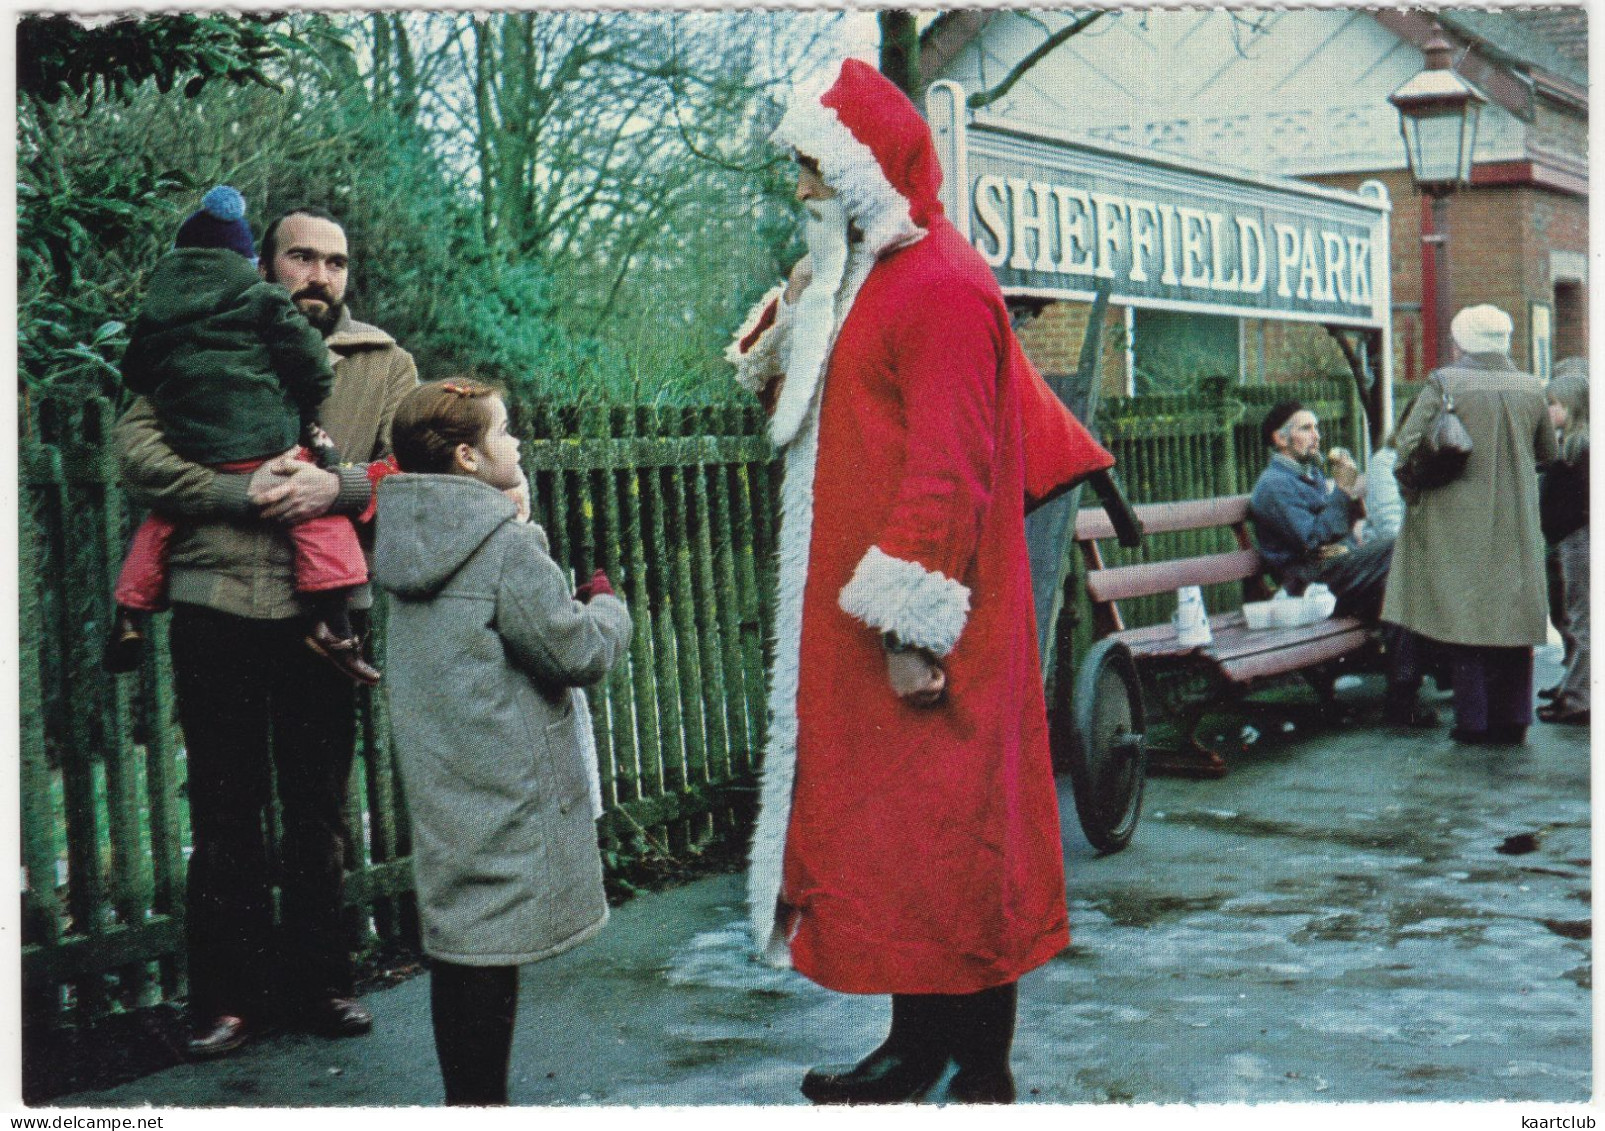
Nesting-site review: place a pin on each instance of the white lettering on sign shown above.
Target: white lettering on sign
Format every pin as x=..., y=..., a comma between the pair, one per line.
x=1287, y=249
x=1337, y=287
x=1248, y=226
x=1048, y=228
x=1309, y=269
x=1193, y=271
x=1034, y=221
x=1109, y=210
x=991, y=217
x=1075, y=245
x=1217, y=253
x=1359, y=271
x=1142, y=237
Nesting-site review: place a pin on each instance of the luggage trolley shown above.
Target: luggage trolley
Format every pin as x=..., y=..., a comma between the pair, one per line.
x=1097, y=728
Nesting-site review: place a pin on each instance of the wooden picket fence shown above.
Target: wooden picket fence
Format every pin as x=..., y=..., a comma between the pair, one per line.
x=678, y=505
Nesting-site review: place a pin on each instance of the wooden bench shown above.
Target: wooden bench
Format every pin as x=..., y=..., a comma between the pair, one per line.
x=1188, y=680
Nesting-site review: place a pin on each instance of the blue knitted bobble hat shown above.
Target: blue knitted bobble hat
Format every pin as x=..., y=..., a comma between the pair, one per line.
x=219, y=223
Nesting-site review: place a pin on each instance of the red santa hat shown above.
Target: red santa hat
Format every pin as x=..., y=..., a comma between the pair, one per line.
x=873, y=148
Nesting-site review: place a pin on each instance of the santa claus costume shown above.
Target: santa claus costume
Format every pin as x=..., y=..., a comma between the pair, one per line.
x=904, y=849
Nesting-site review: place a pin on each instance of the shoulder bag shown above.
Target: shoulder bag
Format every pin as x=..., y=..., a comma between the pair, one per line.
x=1439, y=458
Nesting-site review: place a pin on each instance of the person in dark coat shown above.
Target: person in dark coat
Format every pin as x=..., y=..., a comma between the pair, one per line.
x=269, y=727
x=1563, y=517
x=1309, y=529
x=236, y=375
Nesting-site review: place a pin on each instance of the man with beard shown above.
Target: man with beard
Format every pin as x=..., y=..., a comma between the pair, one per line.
x=908, y=836
x=255, y=702
x=1306, y=526
x=1304, y=522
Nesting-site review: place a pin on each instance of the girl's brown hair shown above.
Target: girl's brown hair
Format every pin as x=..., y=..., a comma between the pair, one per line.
x=434, y=418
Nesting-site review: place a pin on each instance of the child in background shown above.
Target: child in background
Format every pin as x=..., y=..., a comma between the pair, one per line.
x=487, y=649
x=1563, y=514
x=235, y=375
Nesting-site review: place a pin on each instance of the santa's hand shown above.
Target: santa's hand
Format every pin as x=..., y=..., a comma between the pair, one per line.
x=801, y=276
x=916, y=677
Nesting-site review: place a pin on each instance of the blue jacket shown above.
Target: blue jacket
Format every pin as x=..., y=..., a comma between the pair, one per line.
x=1295, y=515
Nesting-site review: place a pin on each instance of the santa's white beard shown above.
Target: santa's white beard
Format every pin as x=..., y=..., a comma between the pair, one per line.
x=813, y=321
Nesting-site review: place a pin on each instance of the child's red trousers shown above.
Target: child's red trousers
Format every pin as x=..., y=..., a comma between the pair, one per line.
x=327, y=554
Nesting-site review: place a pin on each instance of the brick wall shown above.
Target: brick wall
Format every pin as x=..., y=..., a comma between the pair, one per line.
x=1052, y=340
x=1500, y=240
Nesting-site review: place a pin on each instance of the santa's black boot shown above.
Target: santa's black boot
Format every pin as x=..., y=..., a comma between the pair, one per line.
x=901, y=1070
x=982, y=1034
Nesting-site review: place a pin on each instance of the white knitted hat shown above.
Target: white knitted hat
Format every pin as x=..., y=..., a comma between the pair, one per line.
x=1482, y=329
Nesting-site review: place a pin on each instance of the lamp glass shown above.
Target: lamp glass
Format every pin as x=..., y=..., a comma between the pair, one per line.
x=1434, y=141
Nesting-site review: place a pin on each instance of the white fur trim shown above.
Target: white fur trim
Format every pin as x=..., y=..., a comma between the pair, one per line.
x=765, y=359
x=767, y=858
x=814, y=321
x=923, y=607
x=848, y=166
x=587, y=735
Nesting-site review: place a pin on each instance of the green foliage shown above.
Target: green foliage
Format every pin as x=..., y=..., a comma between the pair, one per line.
x=594, y=234
x=61, y=225
x=60, y=57
x=49, y=346
x=81, y=205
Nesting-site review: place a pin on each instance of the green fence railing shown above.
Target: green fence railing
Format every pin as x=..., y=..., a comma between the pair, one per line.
x=678, y=505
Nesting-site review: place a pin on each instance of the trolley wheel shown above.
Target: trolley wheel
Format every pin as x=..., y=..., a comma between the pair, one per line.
x=1107, y=747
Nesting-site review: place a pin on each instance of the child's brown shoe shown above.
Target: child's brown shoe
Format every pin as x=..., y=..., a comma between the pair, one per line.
x=344, y=653
x=124, y=645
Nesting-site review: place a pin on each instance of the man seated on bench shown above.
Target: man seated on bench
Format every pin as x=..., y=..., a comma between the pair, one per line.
x=1307, y=528
x=1306, y=523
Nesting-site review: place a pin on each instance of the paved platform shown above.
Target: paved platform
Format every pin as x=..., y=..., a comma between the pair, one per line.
x=1353, y=914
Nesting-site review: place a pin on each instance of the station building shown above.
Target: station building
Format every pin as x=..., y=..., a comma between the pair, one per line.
x=1303, y=93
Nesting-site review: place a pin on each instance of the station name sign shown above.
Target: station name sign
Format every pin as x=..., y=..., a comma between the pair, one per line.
x=1042, y=228
x=1058, y=218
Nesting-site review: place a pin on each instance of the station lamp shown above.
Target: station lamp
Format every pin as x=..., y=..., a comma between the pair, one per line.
x=1438, y=114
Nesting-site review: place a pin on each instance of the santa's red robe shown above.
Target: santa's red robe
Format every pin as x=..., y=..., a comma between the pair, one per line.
x=911, y=850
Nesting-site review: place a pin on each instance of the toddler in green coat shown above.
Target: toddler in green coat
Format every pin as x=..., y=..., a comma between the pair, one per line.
x=236, y=376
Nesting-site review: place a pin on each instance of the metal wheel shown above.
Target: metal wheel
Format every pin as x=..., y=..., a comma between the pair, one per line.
x=1106, y=747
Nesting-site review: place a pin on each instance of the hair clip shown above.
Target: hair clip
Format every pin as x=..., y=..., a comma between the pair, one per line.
x=460, y=390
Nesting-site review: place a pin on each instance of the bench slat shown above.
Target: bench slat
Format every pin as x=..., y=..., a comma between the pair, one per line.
x=1244, y=656
x=1121, y=582
x=1233, y=639
x=1166, y=518
x=1294, y=658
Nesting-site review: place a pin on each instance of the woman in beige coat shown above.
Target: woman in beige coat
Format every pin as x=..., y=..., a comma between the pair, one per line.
x=486, y=648
x=1468, y=568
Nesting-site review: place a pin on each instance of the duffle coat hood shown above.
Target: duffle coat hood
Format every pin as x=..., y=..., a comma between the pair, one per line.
x=485, y=646
x=898, y=849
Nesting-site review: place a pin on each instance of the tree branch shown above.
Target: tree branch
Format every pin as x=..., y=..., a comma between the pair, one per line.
x=986, y=97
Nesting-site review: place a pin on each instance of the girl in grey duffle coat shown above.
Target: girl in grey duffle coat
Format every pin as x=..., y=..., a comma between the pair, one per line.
x=487, y=648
